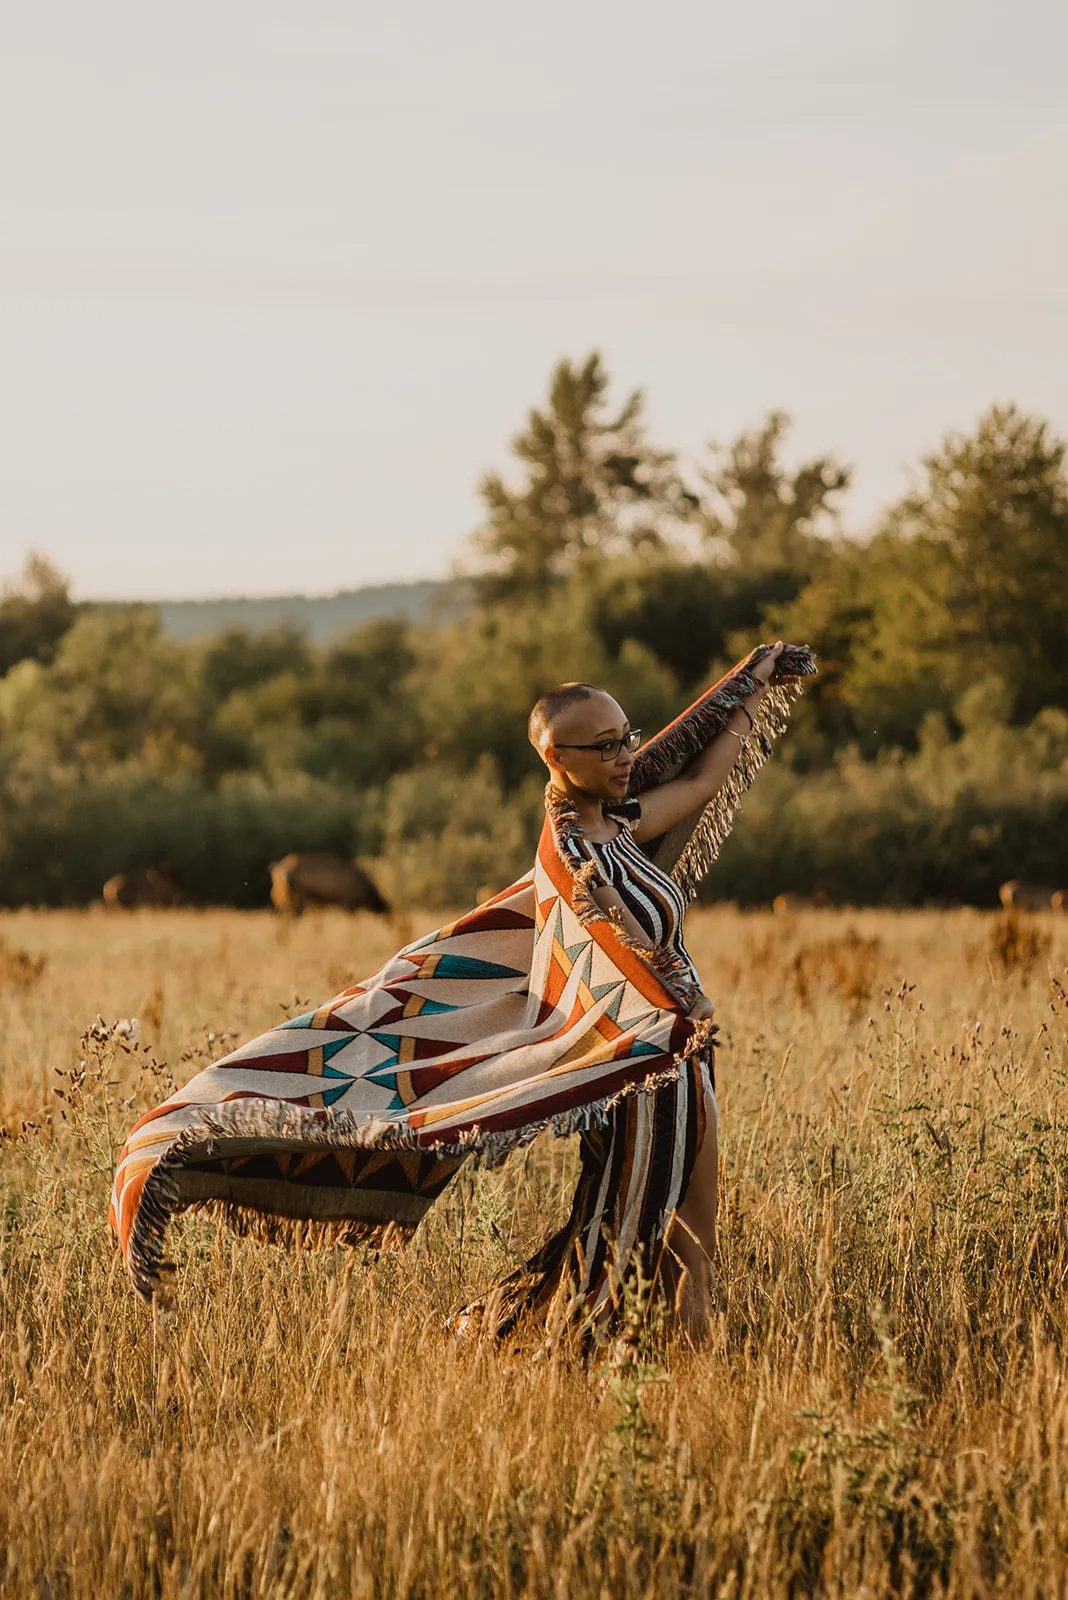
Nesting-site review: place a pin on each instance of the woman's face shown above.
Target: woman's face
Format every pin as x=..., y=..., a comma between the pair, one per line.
x=590, y=722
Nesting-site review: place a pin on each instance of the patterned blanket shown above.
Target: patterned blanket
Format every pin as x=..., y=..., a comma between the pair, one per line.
x=532, y=1012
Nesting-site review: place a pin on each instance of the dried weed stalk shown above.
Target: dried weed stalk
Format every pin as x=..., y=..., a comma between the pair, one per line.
x=1019, y=945
x=846, y=965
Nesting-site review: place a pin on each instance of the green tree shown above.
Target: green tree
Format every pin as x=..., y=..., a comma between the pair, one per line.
x=239, y=658
x=592, y=487
x=371, y=724
x=765, y=528
x=233, y=664
x=478, y=680
x=758, y=515
x=689, y=614
x=990, y=528
x=344, y=714
x=967, y=578
x=877, y=678
x=35, y=612
x=447, y=833
x=118, y=690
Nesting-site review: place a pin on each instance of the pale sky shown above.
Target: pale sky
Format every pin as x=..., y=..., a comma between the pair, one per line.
x=278, y=282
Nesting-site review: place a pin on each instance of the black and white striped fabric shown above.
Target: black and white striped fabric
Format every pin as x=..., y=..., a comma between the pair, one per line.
x=635, y=1168
x=653, y=899
x=635, y=1172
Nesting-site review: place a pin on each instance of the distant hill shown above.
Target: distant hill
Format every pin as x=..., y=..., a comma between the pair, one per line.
x=319, y=616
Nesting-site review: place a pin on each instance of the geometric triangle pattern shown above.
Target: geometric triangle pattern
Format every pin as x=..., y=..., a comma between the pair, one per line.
x=530, y=1011
x=516, y=1014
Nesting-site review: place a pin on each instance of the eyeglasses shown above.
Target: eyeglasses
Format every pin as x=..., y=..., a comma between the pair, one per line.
x=609, y=748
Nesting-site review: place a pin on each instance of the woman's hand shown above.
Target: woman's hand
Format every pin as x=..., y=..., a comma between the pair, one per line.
x=766, y=665
x=702, y=1010
x=667, y=803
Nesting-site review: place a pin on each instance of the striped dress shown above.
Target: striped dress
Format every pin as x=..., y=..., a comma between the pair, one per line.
x=635, y=1171
x=653, y=899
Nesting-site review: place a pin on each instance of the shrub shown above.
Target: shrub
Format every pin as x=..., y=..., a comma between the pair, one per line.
x=62, y=837
x=445, y=835
x=1019, y=944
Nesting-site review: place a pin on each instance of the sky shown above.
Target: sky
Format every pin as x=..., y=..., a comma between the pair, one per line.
x=279, y=282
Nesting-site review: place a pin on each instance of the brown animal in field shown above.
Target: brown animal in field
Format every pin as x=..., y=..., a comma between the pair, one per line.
x=487, y=891
x=1016, y=895
x=1059, y=900
x=784, y=904
x=317, y=878
x=149, y=886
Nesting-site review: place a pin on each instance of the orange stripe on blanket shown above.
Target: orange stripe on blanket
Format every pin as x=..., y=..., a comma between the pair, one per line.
x=129, y=1201
x=603, y=932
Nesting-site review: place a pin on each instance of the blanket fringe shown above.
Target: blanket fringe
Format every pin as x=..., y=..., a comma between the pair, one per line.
x=716, y=820
x=303, y=1233
x=686, y=852
x=277, y=1119
x=665, y=962
x=689, y=851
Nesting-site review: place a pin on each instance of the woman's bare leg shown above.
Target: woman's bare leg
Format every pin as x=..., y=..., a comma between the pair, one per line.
x=692, y=1237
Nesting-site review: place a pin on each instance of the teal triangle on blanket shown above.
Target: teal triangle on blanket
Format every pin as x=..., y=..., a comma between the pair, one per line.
x=330, y=1095
x=387, y=1080
x=434, y=1008
x=470, y=967
x=573, y=951
x=612, y=1008
x=338, y=1072
x=331, y=1049
x=599, y=990
x=642, y=1047
x=303, y=1021
x=558, y=924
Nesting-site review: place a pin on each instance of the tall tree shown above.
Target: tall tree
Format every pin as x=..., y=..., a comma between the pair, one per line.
x=992, y=516
x=592, y=486
x=239, y=658
x=341, y=712
x=966, y=580
x=480, y=677
x=35, y=612
x=759, y=515
x=118, y=690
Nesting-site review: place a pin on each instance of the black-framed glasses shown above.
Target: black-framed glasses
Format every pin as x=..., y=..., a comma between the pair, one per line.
x=609, y=748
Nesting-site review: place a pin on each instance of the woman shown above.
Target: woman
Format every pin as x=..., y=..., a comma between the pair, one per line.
x=567, y=1002
x=588, y=745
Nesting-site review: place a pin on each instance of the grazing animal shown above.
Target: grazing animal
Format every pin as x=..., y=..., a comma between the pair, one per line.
x=317, y=878
x=784, y=904
x=1059, y=900
x=149, y=886
x=1016, y=895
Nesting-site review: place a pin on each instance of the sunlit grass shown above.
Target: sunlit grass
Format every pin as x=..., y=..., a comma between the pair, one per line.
x=881, y=1407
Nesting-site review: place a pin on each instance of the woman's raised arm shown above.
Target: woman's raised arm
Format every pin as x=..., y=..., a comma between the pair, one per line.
x=670, y=802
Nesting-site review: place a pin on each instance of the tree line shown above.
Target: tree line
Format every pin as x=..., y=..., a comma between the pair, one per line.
x=928, y=761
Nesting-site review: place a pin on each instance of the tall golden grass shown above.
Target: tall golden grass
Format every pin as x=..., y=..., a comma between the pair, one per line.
x=882, y=1407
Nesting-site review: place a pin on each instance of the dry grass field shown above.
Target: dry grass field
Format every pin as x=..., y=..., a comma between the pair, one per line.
x=882, y=1407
